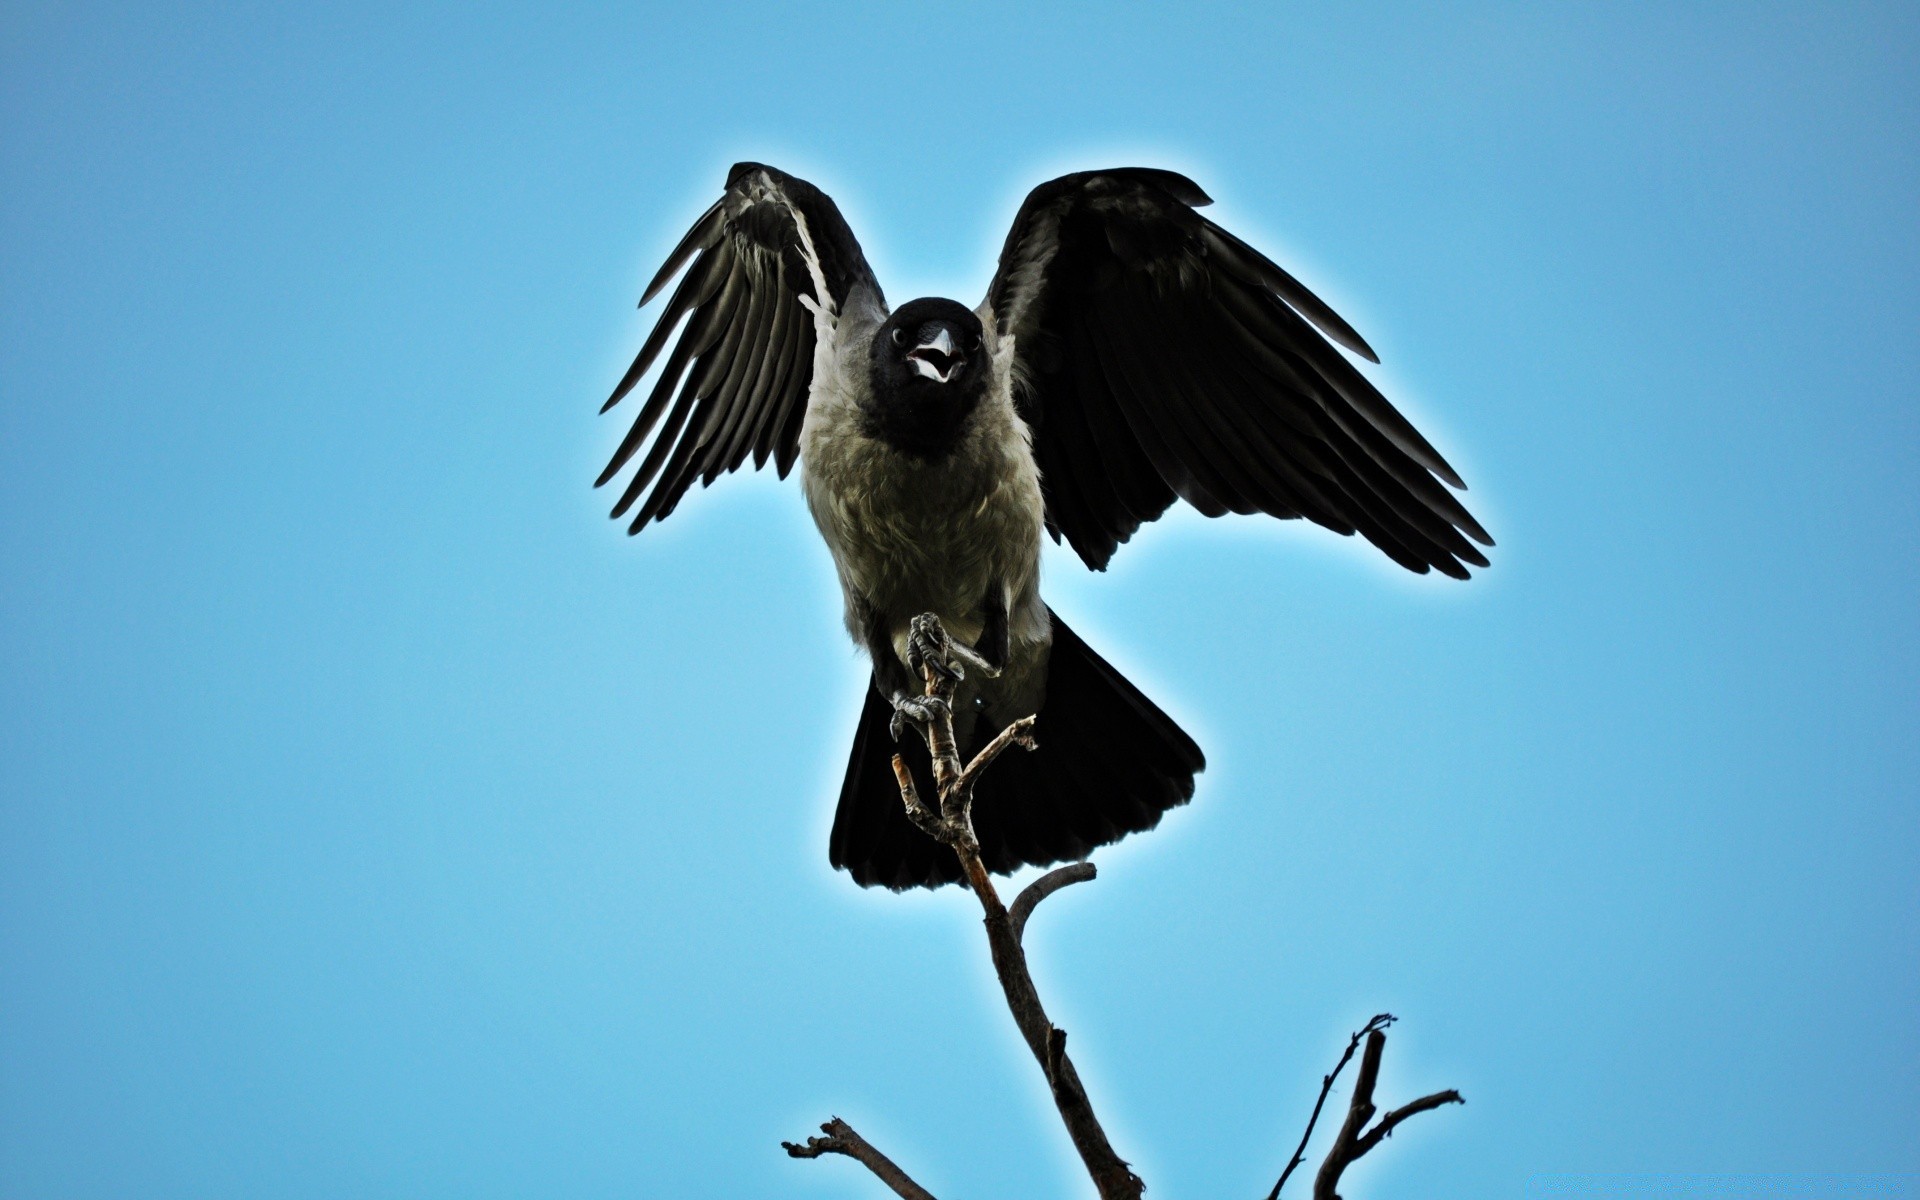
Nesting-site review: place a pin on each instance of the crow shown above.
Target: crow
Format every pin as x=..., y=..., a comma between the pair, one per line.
x=1129, y=352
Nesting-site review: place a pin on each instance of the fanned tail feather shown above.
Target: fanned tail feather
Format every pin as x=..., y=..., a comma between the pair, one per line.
x=1109, y=763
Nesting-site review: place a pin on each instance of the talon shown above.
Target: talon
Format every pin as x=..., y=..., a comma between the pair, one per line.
x=928, y=648
x=945, y=668
x=915, y=711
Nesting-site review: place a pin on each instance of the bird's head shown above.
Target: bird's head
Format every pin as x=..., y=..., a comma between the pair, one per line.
x=929, y=372
x=935, y=341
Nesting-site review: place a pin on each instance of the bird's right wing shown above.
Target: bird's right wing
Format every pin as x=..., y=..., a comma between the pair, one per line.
x=769, y=243
x=1159, y=356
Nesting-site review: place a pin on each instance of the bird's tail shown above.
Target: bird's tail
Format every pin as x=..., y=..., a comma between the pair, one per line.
x=1109, y=763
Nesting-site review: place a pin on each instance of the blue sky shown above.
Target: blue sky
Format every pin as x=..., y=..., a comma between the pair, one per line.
x=380, y=821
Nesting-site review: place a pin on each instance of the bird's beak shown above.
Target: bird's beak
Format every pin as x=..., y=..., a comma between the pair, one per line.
x=934, y=358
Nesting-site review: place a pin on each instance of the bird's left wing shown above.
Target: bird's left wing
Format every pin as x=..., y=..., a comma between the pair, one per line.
x=1159, y=356
x=746, y=352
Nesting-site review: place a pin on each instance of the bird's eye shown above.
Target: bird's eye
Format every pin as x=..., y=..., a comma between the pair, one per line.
x=975, y=344
x=899, y=337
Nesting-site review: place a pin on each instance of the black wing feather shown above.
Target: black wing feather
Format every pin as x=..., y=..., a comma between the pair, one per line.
x=746, y=348
x=1161, y=356
x=1143, y=491
x=745, y=416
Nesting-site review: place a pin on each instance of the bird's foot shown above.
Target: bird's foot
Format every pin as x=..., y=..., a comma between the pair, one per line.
x=930, y=649
x=915, y=712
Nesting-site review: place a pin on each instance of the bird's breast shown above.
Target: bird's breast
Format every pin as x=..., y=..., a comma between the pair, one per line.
x=912, y=534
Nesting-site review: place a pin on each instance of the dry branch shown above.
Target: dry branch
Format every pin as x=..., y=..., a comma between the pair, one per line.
x=1031, y=896
x=1326, y=1085
x=841, y=1139
x=951, y=824
x=1350, y=1144
x=954, y=829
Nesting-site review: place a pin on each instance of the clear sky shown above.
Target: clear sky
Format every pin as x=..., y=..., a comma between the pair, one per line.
x=380, y=821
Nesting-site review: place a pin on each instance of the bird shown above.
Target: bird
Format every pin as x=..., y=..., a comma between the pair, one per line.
x=1129, y=353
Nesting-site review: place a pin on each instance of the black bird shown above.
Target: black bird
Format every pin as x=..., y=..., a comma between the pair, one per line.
x=1129, y=352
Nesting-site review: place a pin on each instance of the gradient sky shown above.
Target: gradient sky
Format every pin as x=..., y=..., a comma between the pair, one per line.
x=380, y=821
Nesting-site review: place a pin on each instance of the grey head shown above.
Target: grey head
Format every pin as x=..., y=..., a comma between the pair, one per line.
x=929, y=373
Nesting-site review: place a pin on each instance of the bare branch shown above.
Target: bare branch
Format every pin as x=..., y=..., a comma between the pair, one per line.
x=1359, y=1111
x=1031, y=896
x=841, y=1139
x=1380, y=1021
x=1020, y=732
x=1385, y=1127
x=1110, y=1173
x=917, y=811
x=1350, y=1144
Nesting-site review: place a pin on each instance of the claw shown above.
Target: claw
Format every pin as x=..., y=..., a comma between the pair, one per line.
x=945, y=668
x=929, y=648
x=915, y=711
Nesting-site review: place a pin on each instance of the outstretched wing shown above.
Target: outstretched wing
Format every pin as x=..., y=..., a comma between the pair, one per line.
x=1160, y=356
x=746, y=351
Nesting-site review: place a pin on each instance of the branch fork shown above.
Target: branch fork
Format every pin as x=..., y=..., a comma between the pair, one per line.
x=1350, y=1144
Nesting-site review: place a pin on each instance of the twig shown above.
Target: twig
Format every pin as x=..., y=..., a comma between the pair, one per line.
x=1381, y=1021
x=1031, y=896
x=1350, y=1144
x=1019, y=733
x=917, y=811
x=841, y=1139
x=1385, y=1128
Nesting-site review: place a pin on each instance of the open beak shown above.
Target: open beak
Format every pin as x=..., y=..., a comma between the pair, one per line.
x=934, y=358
